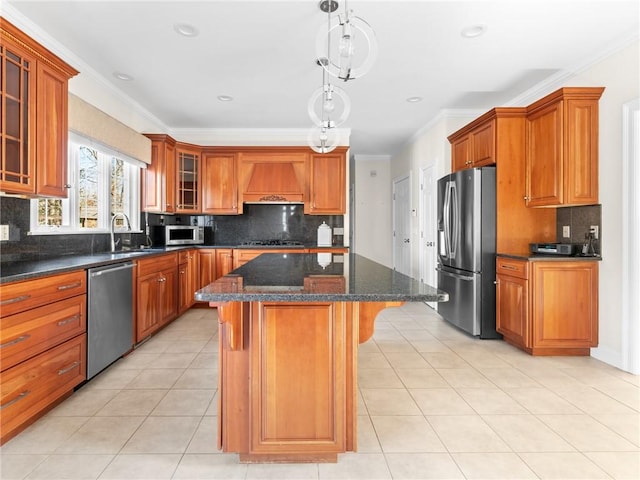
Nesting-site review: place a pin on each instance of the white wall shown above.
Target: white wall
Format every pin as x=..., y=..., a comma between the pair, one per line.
x=372, y=204
x=429, y=147
x=620, y=74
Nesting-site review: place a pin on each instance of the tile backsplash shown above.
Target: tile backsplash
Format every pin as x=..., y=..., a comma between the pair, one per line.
x=259, y=222
x=579, y=220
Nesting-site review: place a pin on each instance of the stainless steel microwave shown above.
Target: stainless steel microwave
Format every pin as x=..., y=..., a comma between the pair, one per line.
x=169, y=235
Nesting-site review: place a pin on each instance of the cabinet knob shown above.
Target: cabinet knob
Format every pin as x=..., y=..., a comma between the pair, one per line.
x=67, y=185
x=526, y=198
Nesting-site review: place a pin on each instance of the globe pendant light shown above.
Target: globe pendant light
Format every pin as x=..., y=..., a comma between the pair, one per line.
x=329, y=105
x=349, y=43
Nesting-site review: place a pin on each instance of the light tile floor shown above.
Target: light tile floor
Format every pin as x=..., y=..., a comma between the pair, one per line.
x=433, y=404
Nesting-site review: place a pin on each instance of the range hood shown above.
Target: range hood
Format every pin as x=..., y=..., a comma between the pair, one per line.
x=273, y=181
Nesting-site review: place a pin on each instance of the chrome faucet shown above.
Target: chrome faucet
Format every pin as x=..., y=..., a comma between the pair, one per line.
x=113, y=242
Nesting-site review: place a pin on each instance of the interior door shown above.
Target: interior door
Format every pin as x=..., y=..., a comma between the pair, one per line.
x=428, y=228
x=402, y=225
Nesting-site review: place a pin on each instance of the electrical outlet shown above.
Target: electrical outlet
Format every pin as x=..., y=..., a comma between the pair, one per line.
x=595, y=231
x=4, y=233
x=566, y=231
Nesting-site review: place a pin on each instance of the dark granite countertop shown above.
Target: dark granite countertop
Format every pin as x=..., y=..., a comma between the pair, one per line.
x=551, y=258
x=301, y=277
x=20, y=270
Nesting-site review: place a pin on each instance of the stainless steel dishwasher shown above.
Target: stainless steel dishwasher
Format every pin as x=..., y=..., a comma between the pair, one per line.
x=109, y=315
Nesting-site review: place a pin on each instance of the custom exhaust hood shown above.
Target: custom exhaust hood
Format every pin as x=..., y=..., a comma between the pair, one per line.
x=281, y=180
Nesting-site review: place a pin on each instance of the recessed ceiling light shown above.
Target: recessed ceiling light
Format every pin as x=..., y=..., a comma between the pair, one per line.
x=414, y=99
x=122, y=76
x=473, y=31
x=225, y=98
x=185, y=29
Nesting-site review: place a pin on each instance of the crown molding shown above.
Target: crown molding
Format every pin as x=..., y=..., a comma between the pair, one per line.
x=250, y=136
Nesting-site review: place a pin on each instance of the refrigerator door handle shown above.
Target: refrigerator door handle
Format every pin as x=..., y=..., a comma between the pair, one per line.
x=455, y=275
x=447, y=221
x=453, y=237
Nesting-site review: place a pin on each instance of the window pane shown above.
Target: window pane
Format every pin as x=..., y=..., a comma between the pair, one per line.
x=117, y=192
x=50, y=213
x=88, y=188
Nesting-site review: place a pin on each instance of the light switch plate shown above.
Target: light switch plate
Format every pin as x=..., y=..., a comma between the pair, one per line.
x=4, y=233
x=566, y=231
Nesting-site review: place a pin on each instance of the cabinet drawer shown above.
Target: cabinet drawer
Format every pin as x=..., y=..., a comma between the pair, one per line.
x=29, y=333
x=20, y=296
x=31, y=386
x=512, y=267
x=157, y=264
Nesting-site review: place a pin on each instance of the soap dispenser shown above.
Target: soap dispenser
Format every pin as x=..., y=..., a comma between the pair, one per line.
x=324, y=235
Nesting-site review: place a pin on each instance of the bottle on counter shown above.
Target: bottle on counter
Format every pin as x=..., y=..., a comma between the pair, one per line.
x=324, y=235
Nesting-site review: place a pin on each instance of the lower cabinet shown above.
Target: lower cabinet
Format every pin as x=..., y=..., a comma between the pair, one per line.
x=548, y=307
x=157, y=285
x=188, y=279
x=42, y=346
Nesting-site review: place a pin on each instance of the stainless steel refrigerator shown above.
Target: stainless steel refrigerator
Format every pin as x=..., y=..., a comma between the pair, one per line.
x=467, y=250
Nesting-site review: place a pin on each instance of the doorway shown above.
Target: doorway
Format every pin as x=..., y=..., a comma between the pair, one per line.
x=428, y=228
x=402, y=225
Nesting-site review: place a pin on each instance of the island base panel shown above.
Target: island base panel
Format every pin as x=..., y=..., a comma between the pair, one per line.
x=287, y=379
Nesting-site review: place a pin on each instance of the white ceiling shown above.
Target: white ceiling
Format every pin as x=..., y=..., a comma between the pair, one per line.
x=262, y=53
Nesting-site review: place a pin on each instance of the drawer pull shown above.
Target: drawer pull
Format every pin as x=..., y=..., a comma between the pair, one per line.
x=508, y=267
x=71, y=285
x=69, y=320
x=17, y=399
x=15, y=340
x=15, y=299
x=68, y=369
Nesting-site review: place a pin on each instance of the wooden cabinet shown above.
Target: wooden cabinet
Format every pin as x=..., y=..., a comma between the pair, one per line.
x=512, y=301
x=219, y=183
x=474, y=145
x=499, y=135
x=188, y=190
x=327, y=184
x=213, y=264
x=188, y=279
x=159, y=178
x=562, y=148
x=42, y=346
x=34, y=100
x=157, y=297
x=533, y=309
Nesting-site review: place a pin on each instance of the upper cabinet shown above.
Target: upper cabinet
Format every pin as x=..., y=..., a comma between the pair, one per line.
x=159, y=178
x=184, y=178
x=188, y=178
x=475, y=144
x=327, y=184
x=34, y=103
x=219, y=183
x=562, y=148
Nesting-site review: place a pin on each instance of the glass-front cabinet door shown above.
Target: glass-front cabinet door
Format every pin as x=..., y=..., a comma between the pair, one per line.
x=18, y=89
x=188, y=171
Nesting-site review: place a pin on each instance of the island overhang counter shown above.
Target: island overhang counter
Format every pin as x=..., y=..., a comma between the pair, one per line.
x=289, y=329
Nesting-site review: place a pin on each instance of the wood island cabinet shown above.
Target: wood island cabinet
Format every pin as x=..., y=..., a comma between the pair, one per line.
x=562, y=148
x=157, y=293
x=33, y=128
x=219, y=183
x=159, y=178
x=327, y=184
x=548, y=307
x=42, y=346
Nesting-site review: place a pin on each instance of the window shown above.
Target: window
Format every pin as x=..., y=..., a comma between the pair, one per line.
x=102, y=184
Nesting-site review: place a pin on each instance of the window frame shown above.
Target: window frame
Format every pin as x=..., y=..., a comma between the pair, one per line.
x=70, y=205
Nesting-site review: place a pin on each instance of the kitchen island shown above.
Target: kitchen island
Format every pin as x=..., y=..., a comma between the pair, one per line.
x=289, y=329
